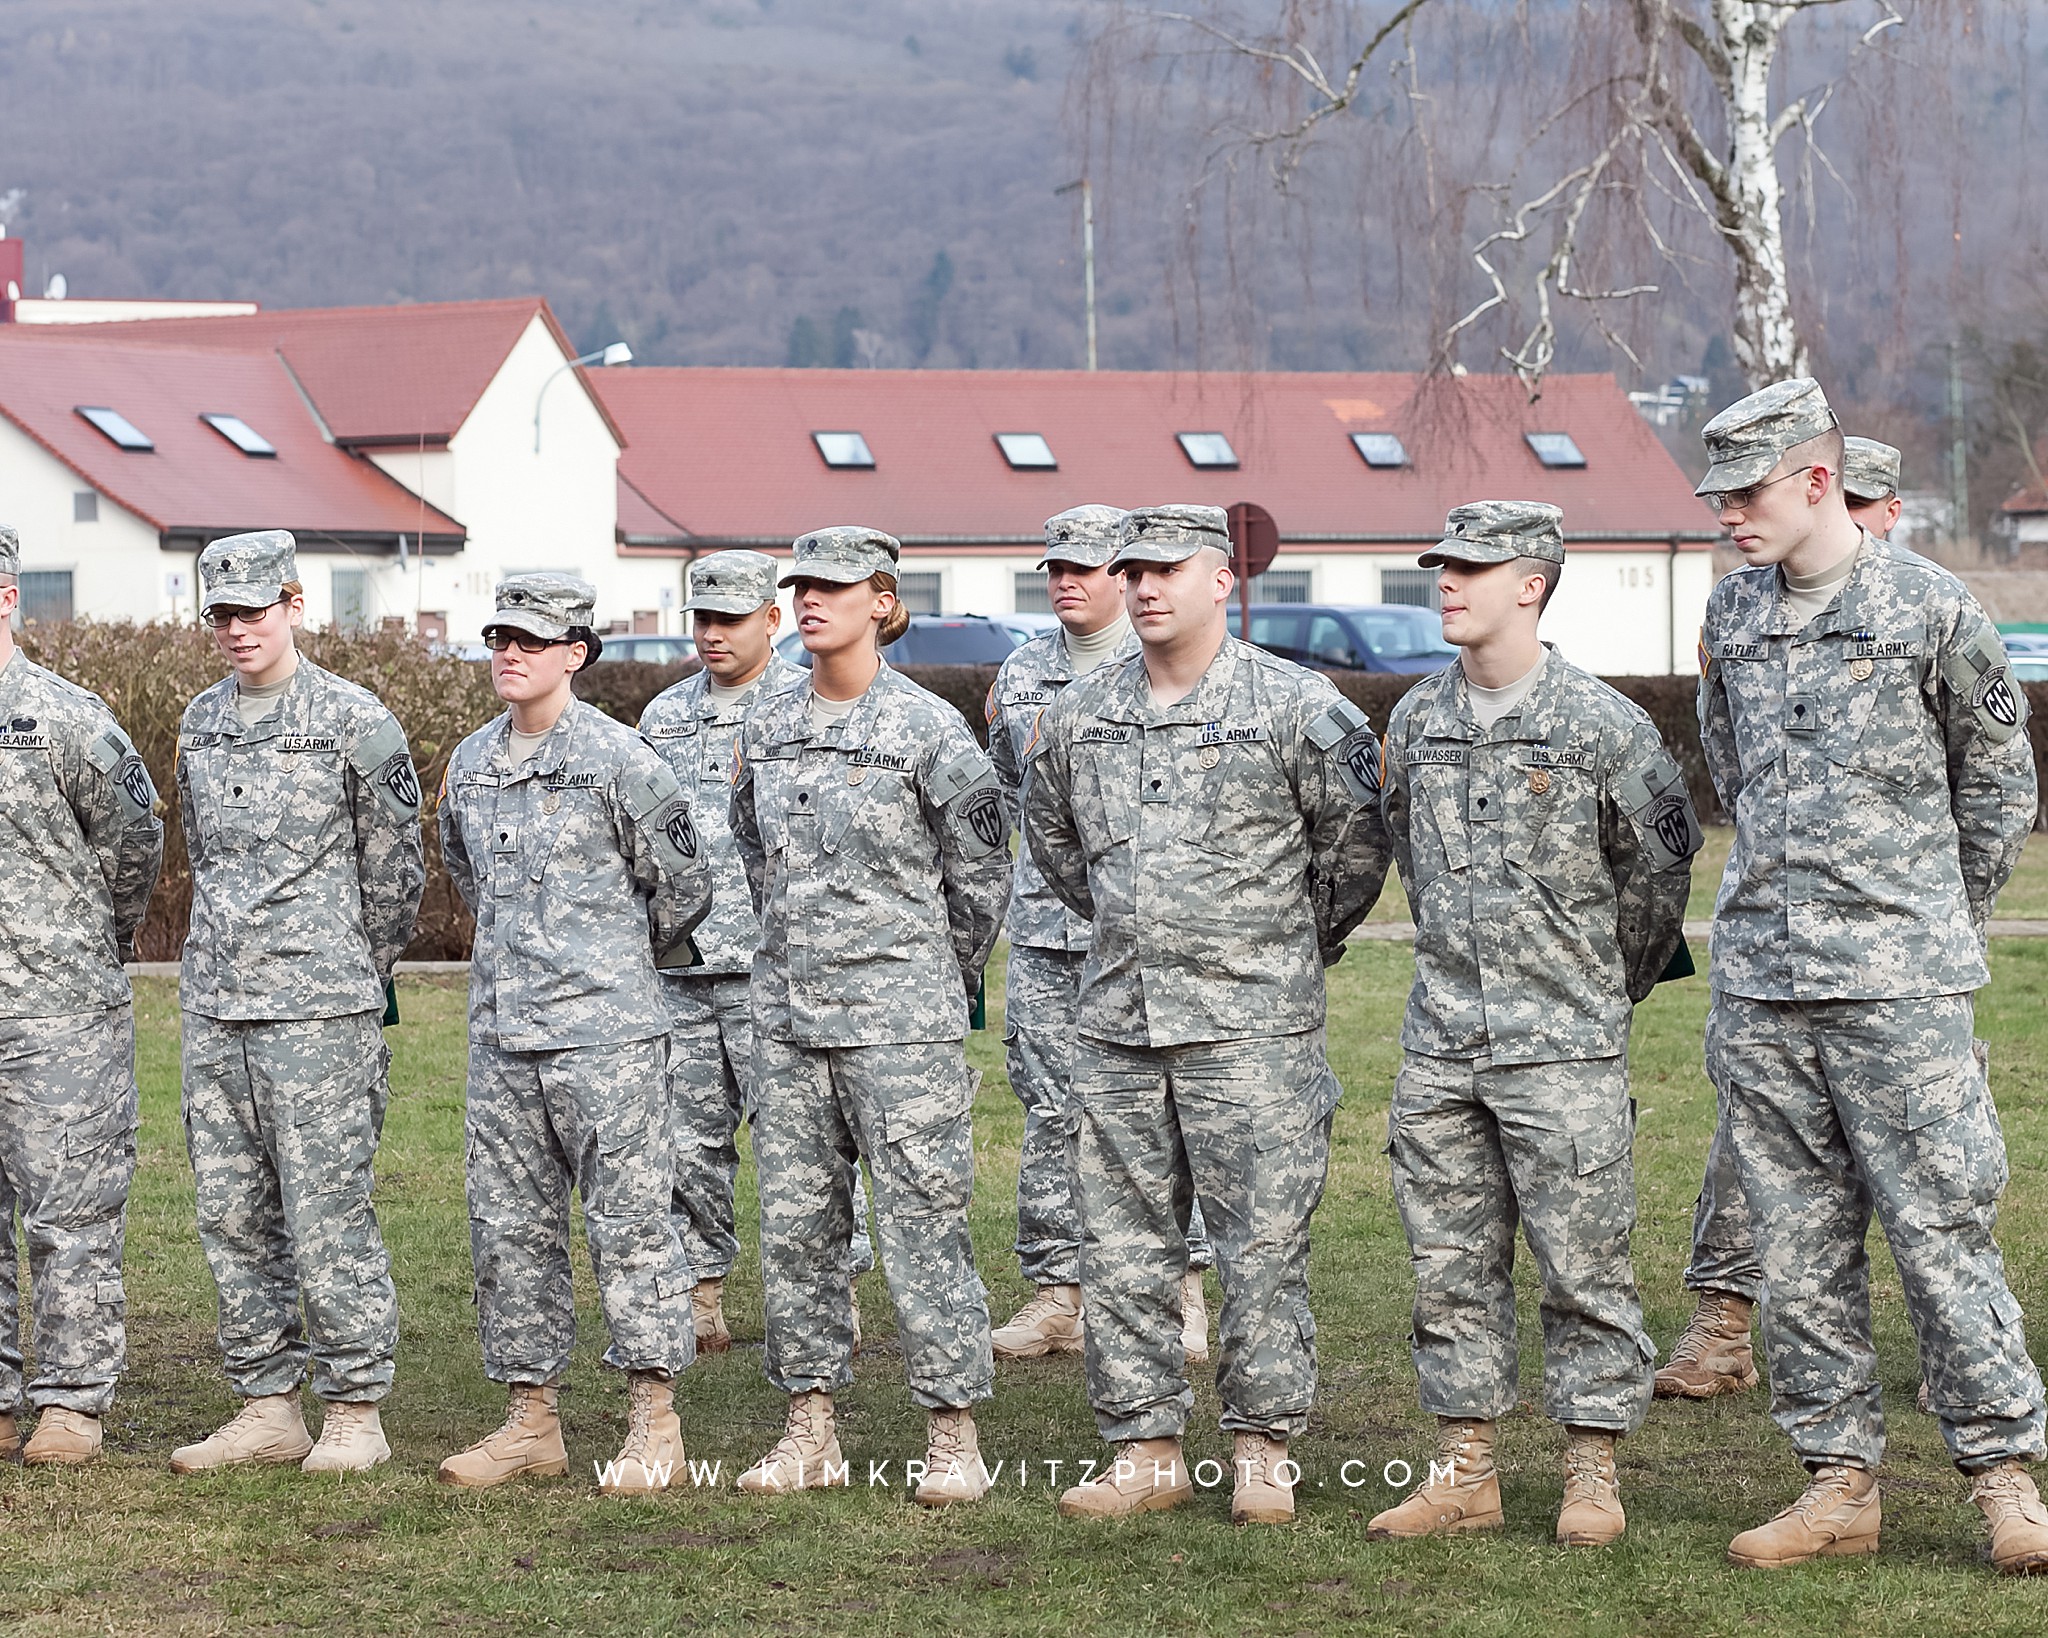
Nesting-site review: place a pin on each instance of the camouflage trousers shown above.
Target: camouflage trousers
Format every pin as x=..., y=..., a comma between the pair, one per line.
x=711, y=1090
x=1841, y=1108
x=1723, y=1250
x=1479, y=1152
x=594, y=1119
x=1246, y=1125
x=282, y=1120
x=1041, y=1009
x=907, y=1108
x=67, y=1157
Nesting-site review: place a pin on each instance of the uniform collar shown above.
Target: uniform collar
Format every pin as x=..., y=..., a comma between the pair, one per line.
x=553, y=754
x=1129, y=698
x=1450, y=715
x=697, y=700
x=852, y=731
x=287, y=713
x=1845, y=612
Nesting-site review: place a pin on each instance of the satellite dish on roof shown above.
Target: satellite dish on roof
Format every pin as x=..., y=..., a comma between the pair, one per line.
x=13, y=291
x=57, y=289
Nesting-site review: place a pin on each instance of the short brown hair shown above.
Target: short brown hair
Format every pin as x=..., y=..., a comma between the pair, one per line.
x=1551, y=572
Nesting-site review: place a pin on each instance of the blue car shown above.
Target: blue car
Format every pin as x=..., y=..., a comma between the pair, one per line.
x=1390, y=637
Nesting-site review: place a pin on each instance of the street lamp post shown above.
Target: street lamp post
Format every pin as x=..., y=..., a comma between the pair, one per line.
x=617, y=353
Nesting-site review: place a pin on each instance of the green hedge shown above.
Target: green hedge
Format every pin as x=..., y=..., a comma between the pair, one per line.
x=148, y=674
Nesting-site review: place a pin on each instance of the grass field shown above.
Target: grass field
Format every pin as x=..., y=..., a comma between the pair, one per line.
x=124, y=1547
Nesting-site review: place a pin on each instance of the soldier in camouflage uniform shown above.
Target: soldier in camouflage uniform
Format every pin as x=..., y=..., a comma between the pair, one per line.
x=1713, y=1355
x=1214, y=811
x=1545, y=837
x=711, y=1023
x=81, y=856
x=1860, y=723
x=301, y=814
x=570, y=839
x=872, y=828
x=1047, y=945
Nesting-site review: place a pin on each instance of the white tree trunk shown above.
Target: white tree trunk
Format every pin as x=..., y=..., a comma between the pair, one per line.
x=1751, y=197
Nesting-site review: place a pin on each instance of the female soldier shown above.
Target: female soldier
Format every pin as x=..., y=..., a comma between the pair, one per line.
x=301, y=814
x=872, y=829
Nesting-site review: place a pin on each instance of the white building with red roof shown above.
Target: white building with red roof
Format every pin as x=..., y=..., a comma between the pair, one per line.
x=1357, y=471
x=420, y=454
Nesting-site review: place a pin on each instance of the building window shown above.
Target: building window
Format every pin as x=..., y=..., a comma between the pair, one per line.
x=1415, y=587
x=85, y=506
x=45, y=595
x=1209, y=450
x=1284, y=586
x=1033, y=595
x=920, y=591
x=239, y=433
x=1555, y=449
x=1380, y=448
x=1026, y=451
x=116, y=427
x=351, y=599
x=844, y=449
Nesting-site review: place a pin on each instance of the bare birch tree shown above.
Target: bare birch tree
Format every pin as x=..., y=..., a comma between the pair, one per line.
x=1659, y=151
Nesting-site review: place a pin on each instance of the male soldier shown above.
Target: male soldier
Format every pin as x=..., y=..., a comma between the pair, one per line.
x=711, y=1025
x=1546, y=839
x=1214, y=811
x=1713, y=1355
x=572, y=842
x=1860, y=723
x=301, y=811
x=1047, y=945
x=82, y=851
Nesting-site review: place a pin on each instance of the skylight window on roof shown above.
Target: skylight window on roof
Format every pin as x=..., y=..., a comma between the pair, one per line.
x=1026, y=451
x=843, y=449
x=1380, y=448
x=239, y=433
x=1207, y=449
x=118, y=429
x=1555, y=448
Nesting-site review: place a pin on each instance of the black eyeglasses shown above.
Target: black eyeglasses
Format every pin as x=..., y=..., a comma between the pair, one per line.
x=1738, y=500
x=221, y=618
x=498, y=639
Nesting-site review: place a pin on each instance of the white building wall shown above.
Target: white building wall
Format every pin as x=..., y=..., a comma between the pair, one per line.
x=552, y=509
x=118, y=572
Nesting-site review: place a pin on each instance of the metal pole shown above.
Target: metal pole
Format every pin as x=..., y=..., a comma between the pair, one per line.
x=1958, y=455
x=1087, y=254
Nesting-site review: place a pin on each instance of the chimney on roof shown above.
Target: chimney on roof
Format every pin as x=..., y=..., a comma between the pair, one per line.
x=13, y=269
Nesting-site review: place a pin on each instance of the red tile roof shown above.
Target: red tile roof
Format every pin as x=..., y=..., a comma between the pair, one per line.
x=195, y=481
x=378, y=375
x=727, y=453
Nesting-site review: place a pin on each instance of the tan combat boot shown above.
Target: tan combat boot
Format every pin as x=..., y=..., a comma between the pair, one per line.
x=807, y=1456
x=653, y=1450
x=63, y=1438
x=1265, y=1480
x=351, y=1440
x=1194, y=1317
x=1050, y=1323
x=707, y=1316
x=1145, y=1476
x=1837, y=1517
x=527, y=1443
x=1461, y=1493
x=953, y=1469
x=269, y=1429
x=1591, y=1515
x=853, y=1297
x=2012, y=1507
x=10, y=1437
x=1712, y=1355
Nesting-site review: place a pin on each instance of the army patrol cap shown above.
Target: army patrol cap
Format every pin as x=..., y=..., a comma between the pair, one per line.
x=547, y=606
x=1870, y=470
x=1499, y=532
x=1751, y=436
x=731, y=583
x=845, y=555
x=1170, y=534
x=1085, y=536
x=247, y=571
x=10, y=551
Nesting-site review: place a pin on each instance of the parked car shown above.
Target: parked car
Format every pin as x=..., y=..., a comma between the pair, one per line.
x=2028, y=668
x=936, y=639
x=1394, y=637
x=647, y=649
x=1028, y=626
